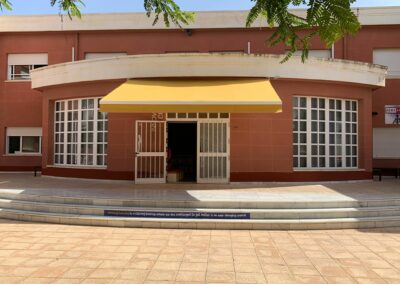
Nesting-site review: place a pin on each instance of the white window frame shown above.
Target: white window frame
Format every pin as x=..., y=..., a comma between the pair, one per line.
x=17, y=77
x=342, y=135
x=78, y=143
x=31, y=60
x=21, y=153
x=194, y=116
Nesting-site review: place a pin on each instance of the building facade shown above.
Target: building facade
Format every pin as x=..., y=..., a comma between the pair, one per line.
x=112, y=97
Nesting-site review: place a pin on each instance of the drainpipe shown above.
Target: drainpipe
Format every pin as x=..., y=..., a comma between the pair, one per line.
x=248, y=47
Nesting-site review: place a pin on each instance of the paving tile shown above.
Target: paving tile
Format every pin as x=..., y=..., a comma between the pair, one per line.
x=370, y=281
x=134, y=275
x=37, y=280
x=98, y=281
x=141, y=264
x=87, y=263
x=250, y=278
x=114, y=264
x=304, y=270
x=387, y=273
x=331, y=270
x=193, y=266
x=191, y=276
x=11, y=280
x=67, y=281
x=339, y=280
x=220, y=277
x=313, y=279
x=161, y=275
x=280, y=278
x=275, y=269
x=52, y=272
x=105, y=273
x=77, y=273
x=248, y=267
x=166, y=265
x=361, y=272
x=220, y=266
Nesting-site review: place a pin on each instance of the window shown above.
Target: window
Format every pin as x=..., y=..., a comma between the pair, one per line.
x=24, y=140
x=195, y=115
x=389, y=58
x=325, y=133
x=20, y=65
x=322, y=53
x=80, y=133
x=386, y=143
x=97, y=55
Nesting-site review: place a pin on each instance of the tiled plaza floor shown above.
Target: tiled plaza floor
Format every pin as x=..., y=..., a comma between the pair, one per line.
x=43, y=253
x=322, y=191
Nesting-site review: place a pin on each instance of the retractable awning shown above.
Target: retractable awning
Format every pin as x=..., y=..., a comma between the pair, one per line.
x=194, y=95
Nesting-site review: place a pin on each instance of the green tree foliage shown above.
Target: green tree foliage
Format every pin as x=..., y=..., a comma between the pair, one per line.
x=330, y=20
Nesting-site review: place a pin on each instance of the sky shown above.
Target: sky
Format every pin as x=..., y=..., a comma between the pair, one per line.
x=26, y=7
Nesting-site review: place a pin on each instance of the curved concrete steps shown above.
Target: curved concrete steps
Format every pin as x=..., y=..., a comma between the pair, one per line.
x=274, y=224
x=263, y=214
x=296, y=215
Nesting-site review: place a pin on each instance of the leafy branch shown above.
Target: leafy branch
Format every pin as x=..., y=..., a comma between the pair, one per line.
x=5, y=4
x=170, y=12
x=71, y=7
x=328, y=19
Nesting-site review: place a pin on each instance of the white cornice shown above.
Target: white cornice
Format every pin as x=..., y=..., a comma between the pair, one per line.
x=139, y=21
x=208, y=65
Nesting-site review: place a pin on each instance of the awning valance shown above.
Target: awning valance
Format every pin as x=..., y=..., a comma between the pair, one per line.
x=194, y=95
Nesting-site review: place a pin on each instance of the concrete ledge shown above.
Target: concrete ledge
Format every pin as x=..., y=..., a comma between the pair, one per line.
x=209, y=65
x=139, y=21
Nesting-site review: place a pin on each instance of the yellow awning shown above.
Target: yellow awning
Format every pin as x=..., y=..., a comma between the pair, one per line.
x=194, y=95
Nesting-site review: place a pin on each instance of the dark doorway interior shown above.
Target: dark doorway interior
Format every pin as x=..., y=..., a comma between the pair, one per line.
x=182, y=150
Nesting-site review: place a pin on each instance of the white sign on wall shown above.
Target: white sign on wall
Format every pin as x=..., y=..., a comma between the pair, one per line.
x=392, y=114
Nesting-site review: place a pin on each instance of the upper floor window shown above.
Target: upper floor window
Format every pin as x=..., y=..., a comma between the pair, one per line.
x=24, y=140
x=388, y=57
x=97, y=55
x=20, y=65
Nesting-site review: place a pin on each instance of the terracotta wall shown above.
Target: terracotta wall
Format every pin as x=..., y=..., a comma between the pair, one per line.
x=261, y=144
x=21, y=106
x=360, y=47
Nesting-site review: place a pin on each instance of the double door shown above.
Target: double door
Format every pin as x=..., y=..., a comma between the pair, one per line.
x=212, y=151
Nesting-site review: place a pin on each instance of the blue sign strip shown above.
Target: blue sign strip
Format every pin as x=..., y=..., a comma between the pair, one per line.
x=178, y=215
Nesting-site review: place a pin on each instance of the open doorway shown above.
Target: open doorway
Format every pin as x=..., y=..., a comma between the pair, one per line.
x=182, y=152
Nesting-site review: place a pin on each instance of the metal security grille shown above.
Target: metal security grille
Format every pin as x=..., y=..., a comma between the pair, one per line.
x=150, y=152
x=213, y=151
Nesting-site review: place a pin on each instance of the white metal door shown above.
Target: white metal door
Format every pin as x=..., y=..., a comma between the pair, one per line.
x=213, y=165
x=150, y=160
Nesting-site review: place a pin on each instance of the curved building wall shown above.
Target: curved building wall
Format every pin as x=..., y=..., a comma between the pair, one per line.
x=260, y=144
